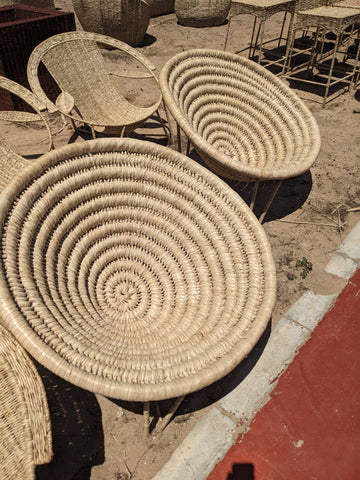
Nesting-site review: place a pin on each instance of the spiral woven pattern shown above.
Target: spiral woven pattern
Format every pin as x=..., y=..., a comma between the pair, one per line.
x=131, y=271
x=242, y=120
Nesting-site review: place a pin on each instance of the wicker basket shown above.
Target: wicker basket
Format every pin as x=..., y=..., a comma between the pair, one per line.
x=202, y=13
x=132, y=271
x=243, y=121
x=25, y=428
x=126, y=20
x=161, y=7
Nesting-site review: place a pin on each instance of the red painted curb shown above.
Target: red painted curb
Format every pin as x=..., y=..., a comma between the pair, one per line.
x=310, y=429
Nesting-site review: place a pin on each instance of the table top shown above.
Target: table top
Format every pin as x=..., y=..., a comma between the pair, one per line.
x=131, y=271
x=333, y=12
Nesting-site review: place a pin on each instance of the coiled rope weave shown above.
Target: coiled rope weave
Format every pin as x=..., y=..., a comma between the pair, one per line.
x=243, y=121
x=132, y=271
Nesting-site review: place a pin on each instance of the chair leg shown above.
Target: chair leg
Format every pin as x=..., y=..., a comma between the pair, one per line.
x=270, y=200
x=178, y=137
x=165, y=420
x=146, y=412
x=254, y=193
x=168, y=136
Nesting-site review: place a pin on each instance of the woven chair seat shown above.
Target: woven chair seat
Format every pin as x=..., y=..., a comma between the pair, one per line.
x=132, y=271
x=242, y=120
x=25, y=429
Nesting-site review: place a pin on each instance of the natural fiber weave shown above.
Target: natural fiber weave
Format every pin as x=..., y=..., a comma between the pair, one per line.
x=25, y=429
x=10, y=162
x=262, y=9
x=126, y=20
x=161, y=7
x=242, y=120
x=78, y=67
x=132, y=271
x=202, y=13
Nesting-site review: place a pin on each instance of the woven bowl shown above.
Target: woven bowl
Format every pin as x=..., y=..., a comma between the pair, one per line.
x=132, y=271
x=243, y=121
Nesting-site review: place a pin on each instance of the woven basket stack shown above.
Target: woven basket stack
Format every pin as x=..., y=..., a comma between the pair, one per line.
x=126, y=20
x=202, y=13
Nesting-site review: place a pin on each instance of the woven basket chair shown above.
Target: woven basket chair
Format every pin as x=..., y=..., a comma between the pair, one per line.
x=132, y=271
x=10, y=162
x=25, y=427
x=202, y=13
x=161, y=7
x=126, y=20
x=242, y=120
x=89, y=93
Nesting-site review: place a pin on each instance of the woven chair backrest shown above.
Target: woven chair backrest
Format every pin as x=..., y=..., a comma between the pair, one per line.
x=82, y=73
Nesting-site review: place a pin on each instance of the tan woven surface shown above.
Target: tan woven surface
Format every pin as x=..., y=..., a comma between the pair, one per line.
x=76, y=63
x=261, y=8
x=131, y=271
x=243, y=121
x=126, y=20
x=10, y=162
x=161, y=7
x=202, y=13
x=25, y=427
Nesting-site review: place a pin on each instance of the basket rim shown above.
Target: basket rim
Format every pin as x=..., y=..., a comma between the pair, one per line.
x=245, y=171
x=44, y=354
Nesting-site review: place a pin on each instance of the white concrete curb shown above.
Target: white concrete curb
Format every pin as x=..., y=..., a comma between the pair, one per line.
x=215, y=433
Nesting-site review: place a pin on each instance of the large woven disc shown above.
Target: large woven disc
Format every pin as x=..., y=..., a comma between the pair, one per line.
x=243, y=121
x=131, y=271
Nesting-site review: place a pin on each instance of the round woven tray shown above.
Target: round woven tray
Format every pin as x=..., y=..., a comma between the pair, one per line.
x=132, y=271
x=243, y=121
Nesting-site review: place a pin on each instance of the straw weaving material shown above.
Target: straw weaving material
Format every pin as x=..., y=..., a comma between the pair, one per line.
x=25, y=428
x=202, y=13
x=10, y=161
x=242, y=120
x=78, y=67
x=161, y=7
x=131, y=271
x=126, y=20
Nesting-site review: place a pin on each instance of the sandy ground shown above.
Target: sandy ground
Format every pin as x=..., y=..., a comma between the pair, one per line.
x=102, y=439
